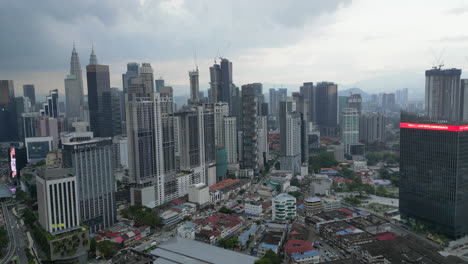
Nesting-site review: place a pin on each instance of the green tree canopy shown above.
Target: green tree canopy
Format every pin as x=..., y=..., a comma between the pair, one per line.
x=143, y=215
x=323, y=159
x=3, y=238
x=295, y=182
x=269, y=258
x=108, y=248
x=229, y=243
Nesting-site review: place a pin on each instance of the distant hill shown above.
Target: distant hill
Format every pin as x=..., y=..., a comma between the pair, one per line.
x=365, y=96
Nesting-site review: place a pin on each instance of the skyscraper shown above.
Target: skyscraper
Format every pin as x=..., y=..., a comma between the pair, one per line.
x=349, y=128
x=91, y=161
x=118, y=111
x=433, y=165
x=30, y=92
x=167, y=121
x=464, y=106
x=226, y=81
x=144, y=133
x=133, y=69
x=99, y=98
x=388, y=101
x=308, y=91
x=57, y=199
x=444, y=100
x=250, y=106
x=74, y=89
x=276, y=96
x=325, y=109
x=290, y=136
x=230, y=139
x=221, y=110
x=372, y=128
x=8, y=115
x=215, y=92
x=23, y=105
x=355, y=101
x=51, y=104
x=194, y=86
x=159, y=84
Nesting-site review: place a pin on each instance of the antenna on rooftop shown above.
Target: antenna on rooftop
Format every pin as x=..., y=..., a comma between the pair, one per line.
x=195, y=59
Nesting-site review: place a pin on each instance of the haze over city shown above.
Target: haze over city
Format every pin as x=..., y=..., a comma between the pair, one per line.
x=227, y=132
x=374, y=45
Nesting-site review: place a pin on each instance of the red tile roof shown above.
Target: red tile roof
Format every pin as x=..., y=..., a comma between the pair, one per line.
x=298, y=246
x=385, y=236
x=223, y=184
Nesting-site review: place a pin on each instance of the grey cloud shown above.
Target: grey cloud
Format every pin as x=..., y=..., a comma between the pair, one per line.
x=458, y=10
x=40, y=33
x=457, y=38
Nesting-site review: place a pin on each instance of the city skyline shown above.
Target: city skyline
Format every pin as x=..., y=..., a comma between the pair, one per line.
x=309, y=49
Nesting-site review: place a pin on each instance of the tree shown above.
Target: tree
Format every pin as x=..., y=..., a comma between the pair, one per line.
x=384, y=174
x=21, y=195
x=295, y=194
x=295, y=182
x=92, y=246
x=3, y=238
x=143, y=215
x=277, y=165
x=225, y=210
x=324, y=159
x=232, y=242
x=108, y=248
x=29, y=217
x=347, y=173
x=269, y=258
x=242, y=191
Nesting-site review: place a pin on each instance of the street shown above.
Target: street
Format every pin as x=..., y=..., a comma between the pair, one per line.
x=16, y=234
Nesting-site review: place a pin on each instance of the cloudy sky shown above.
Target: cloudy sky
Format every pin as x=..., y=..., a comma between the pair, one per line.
x=376, y=45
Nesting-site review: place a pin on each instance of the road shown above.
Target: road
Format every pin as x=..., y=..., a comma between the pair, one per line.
x=17, y=235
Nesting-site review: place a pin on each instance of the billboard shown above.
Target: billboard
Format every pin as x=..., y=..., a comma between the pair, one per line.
x=12, y=156
x=37, y=150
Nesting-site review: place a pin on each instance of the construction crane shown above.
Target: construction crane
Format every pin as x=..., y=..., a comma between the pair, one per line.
x=438, y=60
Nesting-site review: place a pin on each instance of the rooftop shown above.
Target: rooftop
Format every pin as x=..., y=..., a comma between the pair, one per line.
x=283, y=197
x=312, y=200
x=296, y=246
x=307, y=254
x=187, y=251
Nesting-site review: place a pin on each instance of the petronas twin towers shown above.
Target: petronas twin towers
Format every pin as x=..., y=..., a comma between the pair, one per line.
x=74, y=87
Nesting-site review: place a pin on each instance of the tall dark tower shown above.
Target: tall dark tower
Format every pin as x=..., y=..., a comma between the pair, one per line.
x=433, y=174
x=30, y=92
x=226, y=80
x=326, y=108
x=99, y=98
x=8, y=116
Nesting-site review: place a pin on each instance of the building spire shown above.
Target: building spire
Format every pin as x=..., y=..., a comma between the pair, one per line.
x=92, y=58
x=74, y=49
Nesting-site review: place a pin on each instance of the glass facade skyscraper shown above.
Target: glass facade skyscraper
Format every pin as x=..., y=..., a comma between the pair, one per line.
x=99, y=99
x=433, y=174
x=91, y=161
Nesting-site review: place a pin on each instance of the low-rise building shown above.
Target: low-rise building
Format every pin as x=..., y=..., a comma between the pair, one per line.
x=187, y=230
x=330, y=204
x=199, y=193
x=313, y=205
x=308, y=257
x=272, y=240
x=283, y=207
x=253, y=208
x=170, y=217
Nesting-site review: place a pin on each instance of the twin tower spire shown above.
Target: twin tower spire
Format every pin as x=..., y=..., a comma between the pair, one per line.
x=92, y=58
